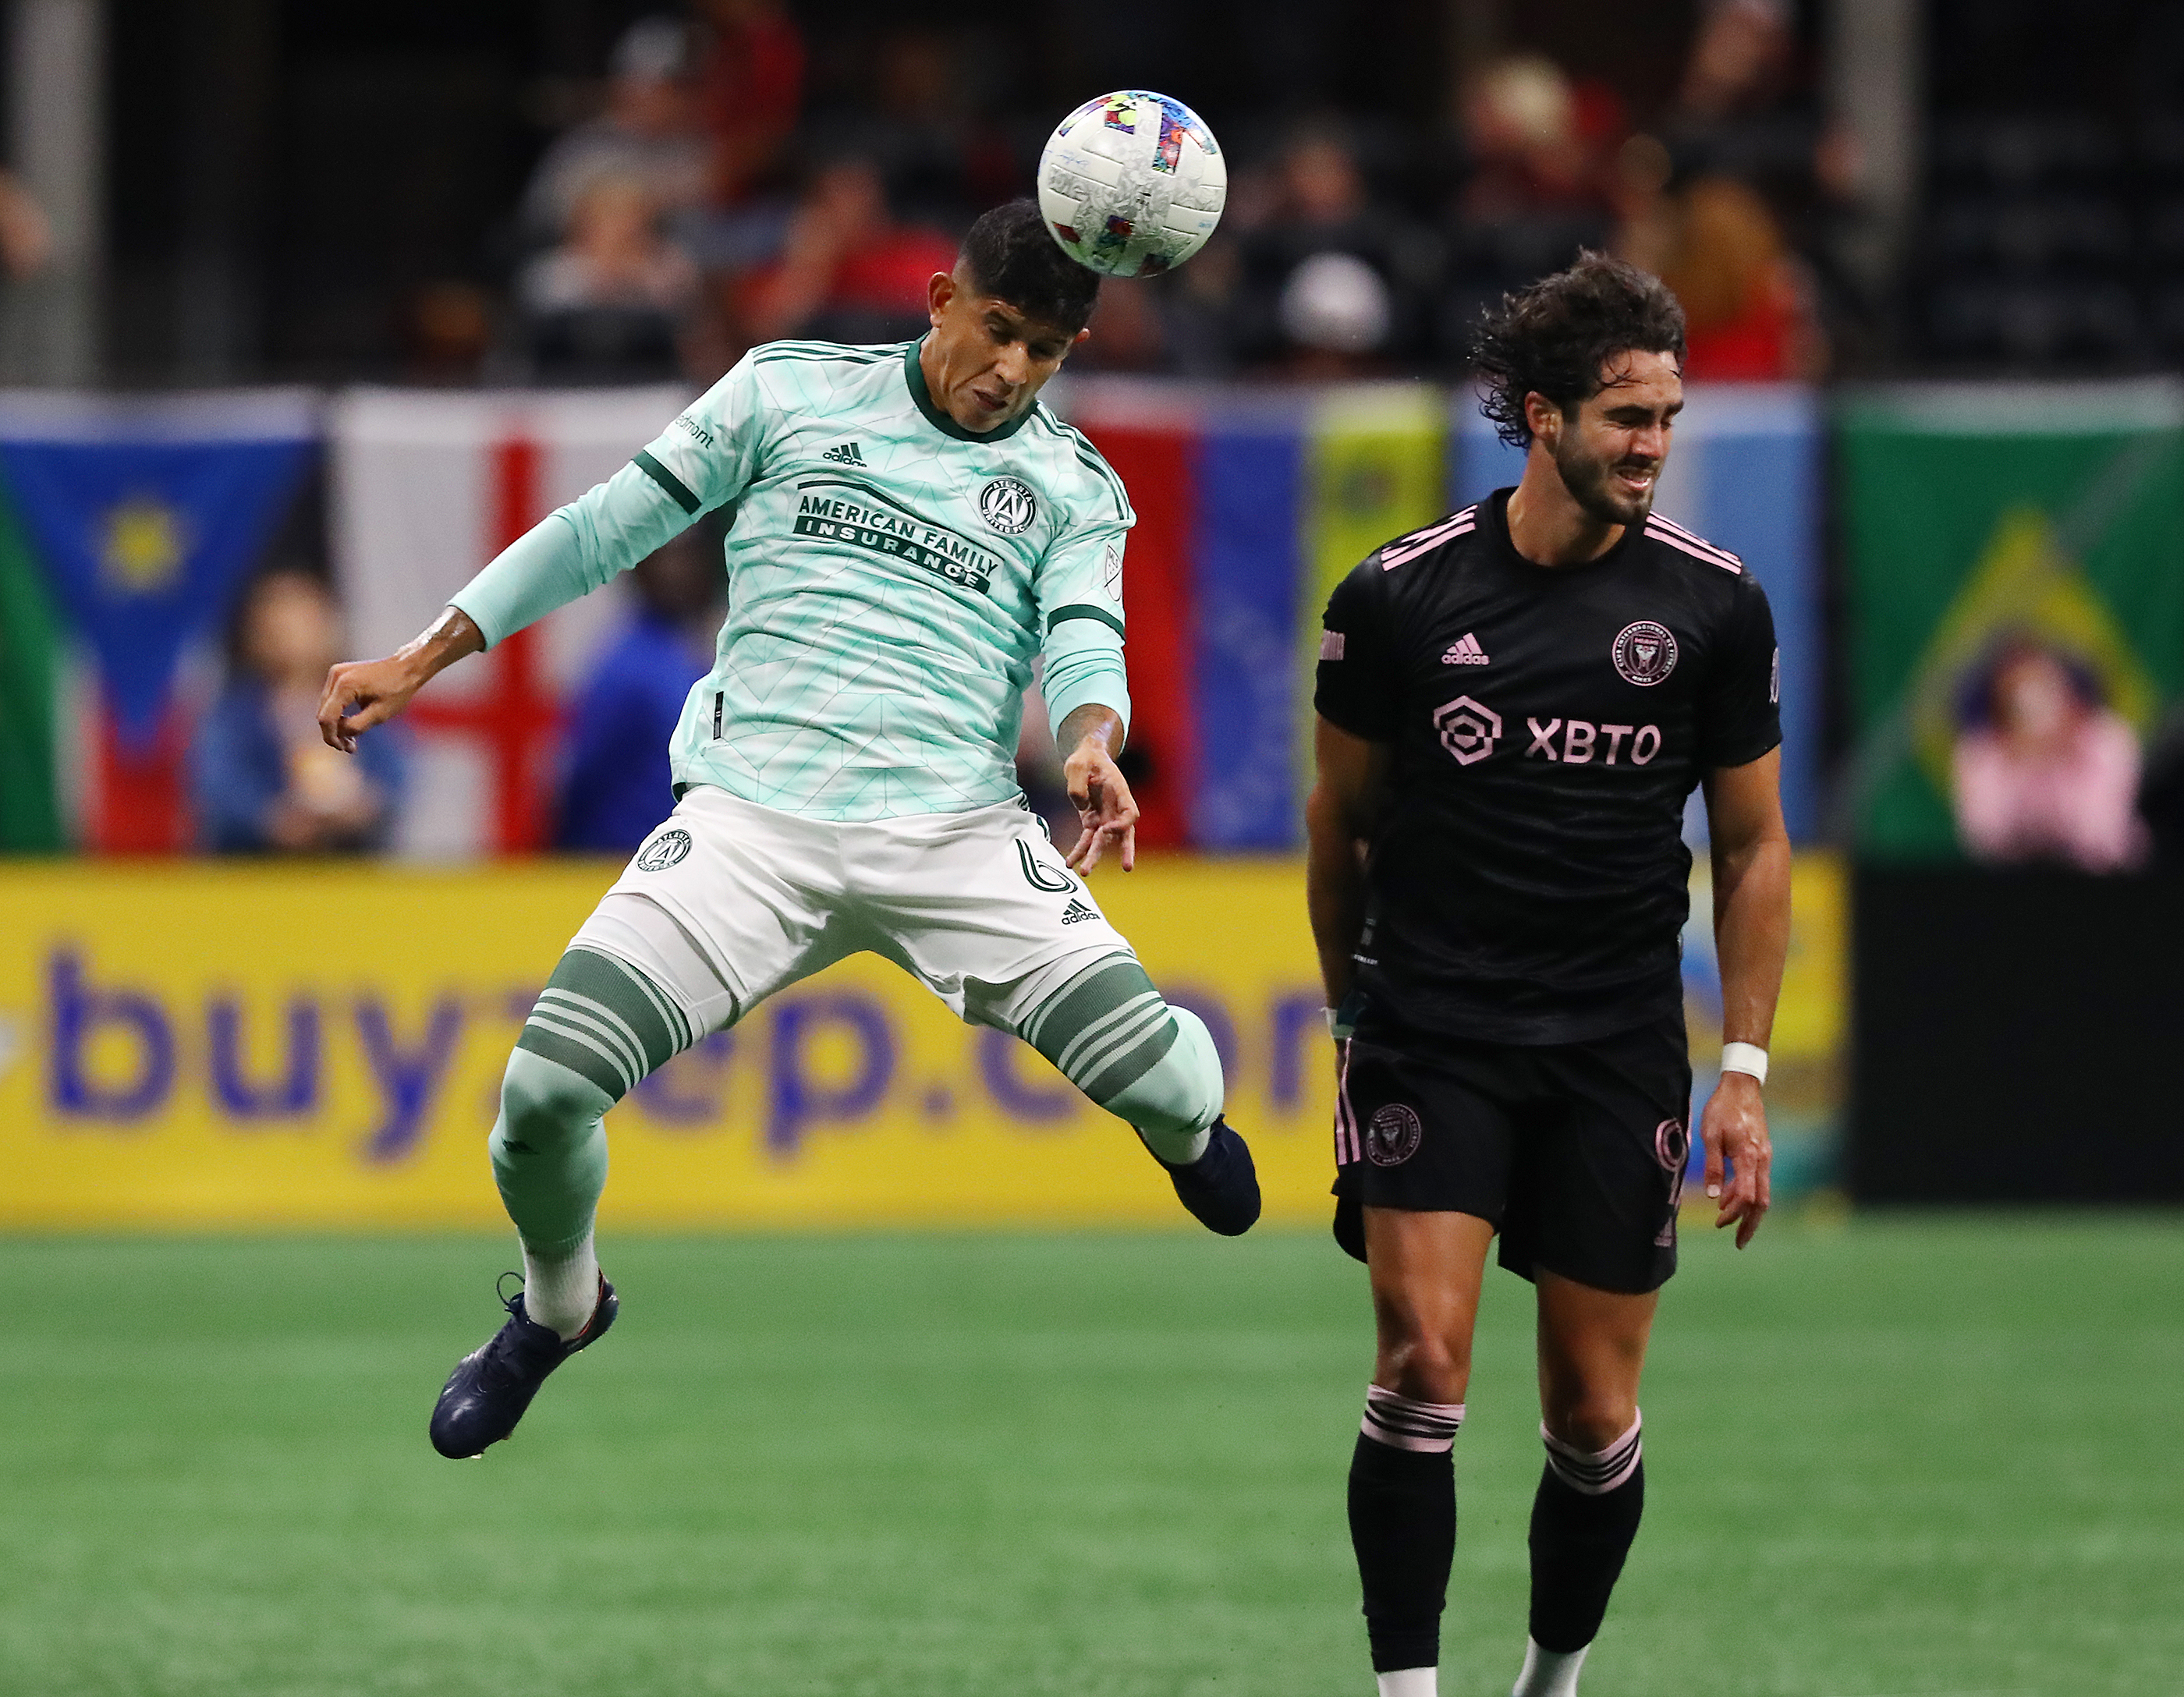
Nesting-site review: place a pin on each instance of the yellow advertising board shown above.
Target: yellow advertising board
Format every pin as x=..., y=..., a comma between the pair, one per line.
x=193, y=1044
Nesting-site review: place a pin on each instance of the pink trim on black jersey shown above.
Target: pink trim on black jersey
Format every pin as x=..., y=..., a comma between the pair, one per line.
x=1662, y=531
x=1347, y=1149
x=1410, y=547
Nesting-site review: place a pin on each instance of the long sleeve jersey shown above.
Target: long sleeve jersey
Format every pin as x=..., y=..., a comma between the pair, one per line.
x=892, y=577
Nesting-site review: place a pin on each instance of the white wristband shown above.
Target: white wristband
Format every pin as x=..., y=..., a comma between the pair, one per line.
x=1745, y=1057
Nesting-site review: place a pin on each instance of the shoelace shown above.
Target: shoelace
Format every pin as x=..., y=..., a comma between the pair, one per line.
x=497, y=1365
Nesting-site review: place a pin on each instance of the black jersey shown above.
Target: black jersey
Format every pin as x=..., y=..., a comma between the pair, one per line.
x=1530, y=881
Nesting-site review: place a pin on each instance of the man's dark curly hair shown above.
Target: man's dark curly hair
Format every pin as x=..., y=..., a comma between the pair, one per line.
x=1552, y=338
x=1012, y=255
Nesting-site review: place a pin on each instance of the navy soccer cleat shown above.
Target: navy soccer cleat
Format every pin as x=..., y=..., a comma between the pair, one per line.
x=490, y=1388
x=1221, y=1188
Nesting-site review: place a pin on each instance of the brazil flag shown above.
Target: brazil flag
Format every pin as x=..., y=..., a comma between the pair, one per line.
x=1974, y=517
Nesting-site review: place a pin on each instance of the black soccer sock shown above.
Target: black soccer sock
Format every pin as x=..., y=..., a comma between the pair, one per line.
x=1583, y=1520
x=1402, y=1523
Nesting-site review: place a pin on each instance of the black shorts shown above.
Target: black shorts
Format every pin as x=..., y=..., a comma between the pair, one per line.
x=1573, y=1152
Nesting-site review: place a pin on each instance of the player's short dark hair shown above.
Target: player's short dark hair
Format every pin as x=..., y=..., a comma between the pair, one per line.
x=1012, y=255
x=1554, y=337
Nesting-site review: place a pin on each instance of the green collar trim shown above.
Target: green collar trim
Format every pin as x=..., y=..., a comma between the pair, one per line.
x=914, y=374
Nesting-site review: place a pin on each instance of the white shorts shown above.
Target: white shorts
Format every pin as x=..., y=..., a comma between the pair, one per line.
x=728, y=902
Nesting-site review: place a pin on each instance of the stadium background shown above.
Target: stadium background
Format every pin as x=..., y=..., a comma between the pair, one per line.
x=275, y=302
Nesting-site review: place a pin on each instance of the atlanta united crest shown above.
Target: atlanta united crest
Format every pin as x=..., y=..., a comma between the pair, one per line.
x=1392, y=1135
x=1645, y=653
x=663, y=850
x=1008, y=506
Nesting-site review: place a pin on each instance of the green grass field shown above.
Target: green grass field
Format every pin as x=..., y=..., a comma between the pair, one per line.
x=1900, y=1456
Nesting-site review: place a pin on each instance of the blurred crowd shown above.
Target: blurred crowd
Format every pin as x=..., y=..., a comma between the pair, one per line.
x=710, y=200
x=709, y=203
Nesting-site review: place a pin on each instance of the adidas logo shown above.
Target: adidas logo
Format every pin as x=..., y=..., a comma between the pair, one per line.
x=1077, y=911
x=1464, y=652
x=846, y=454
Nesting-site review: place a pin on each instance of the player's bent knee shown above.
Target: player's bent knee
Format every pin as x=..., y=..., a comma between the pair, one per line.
x=1180, y=1092
x=544, y=1104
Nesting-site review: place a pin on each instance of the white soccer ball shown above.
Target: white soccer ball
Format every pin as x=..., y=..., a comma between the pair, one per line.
x=1132, y=184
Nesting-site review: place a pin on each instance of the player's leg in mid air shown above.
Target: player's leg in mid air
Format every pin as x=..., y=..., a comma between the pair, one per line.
x=1151, y=1065
x=980, y=907
x=723, y=905
x=600, y=1024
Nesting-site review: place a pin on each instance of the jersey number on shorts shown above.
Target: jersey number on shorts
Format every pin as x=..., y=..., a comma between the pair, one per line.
x=1042, y=878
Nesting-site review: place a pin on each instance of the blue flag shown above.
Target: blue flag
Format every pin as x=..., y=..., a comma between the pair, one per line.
x=146, y=521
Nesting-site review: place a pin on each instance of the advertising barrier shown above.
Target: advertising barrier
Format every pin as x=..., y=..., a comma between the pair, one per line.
x=190, y=1045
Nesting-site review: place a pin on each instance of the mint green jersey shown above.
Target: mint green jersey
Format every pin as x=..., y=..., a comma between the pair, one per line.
x=892, y=577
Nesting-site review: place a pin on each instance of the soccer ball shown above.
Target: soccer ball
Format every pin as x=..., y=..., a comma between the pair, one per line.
x=1132, y=184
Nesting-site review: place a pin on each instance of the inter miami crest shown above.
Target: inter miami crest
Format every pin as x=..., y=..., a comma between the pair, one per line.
x=1645, y=653
x=1008, y=506
x=1392, y=1135
x=663, y=850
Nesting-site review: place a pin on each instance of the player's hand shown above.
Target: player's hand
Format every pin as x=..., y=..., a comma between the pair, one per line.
x=1104, y=806
x=362, y=693
x=1735, y=1131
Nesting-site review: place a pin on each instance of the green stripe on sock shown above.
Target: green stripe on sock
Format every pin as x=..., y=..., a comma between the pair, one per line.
x=599, y=1024
x=599, y=1016
x=1089, y=1054
x=1123, y=1070
x=1095, y=1039
x=548, y=1043
x=622, y=990
x=1084, y=1000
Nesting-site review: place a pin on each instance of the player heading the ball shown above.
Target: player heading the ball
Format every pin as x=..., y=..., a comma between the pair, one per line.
x=913, y=530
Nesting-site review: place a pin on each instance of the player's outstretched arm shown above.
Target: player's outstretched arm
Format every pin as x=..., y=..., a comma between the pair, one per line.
x=1752, y=937
x=362, y=693
x=1104, y=807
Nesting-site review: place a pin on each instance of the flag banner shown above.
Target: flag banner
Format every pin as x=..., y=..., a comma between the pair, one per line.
x=1977, y=519
x=1744, y=472
x=425, y=487
x=1245, y=583
x=31, y=815
x=222, y=1045
x=146, y=516
x=1252, y=505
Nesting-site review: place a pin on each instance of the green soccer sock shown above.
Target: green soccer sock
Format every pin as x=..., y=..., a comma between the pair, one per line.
x=597, y=1028
x=549, y=1160
x=1110, y=1033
